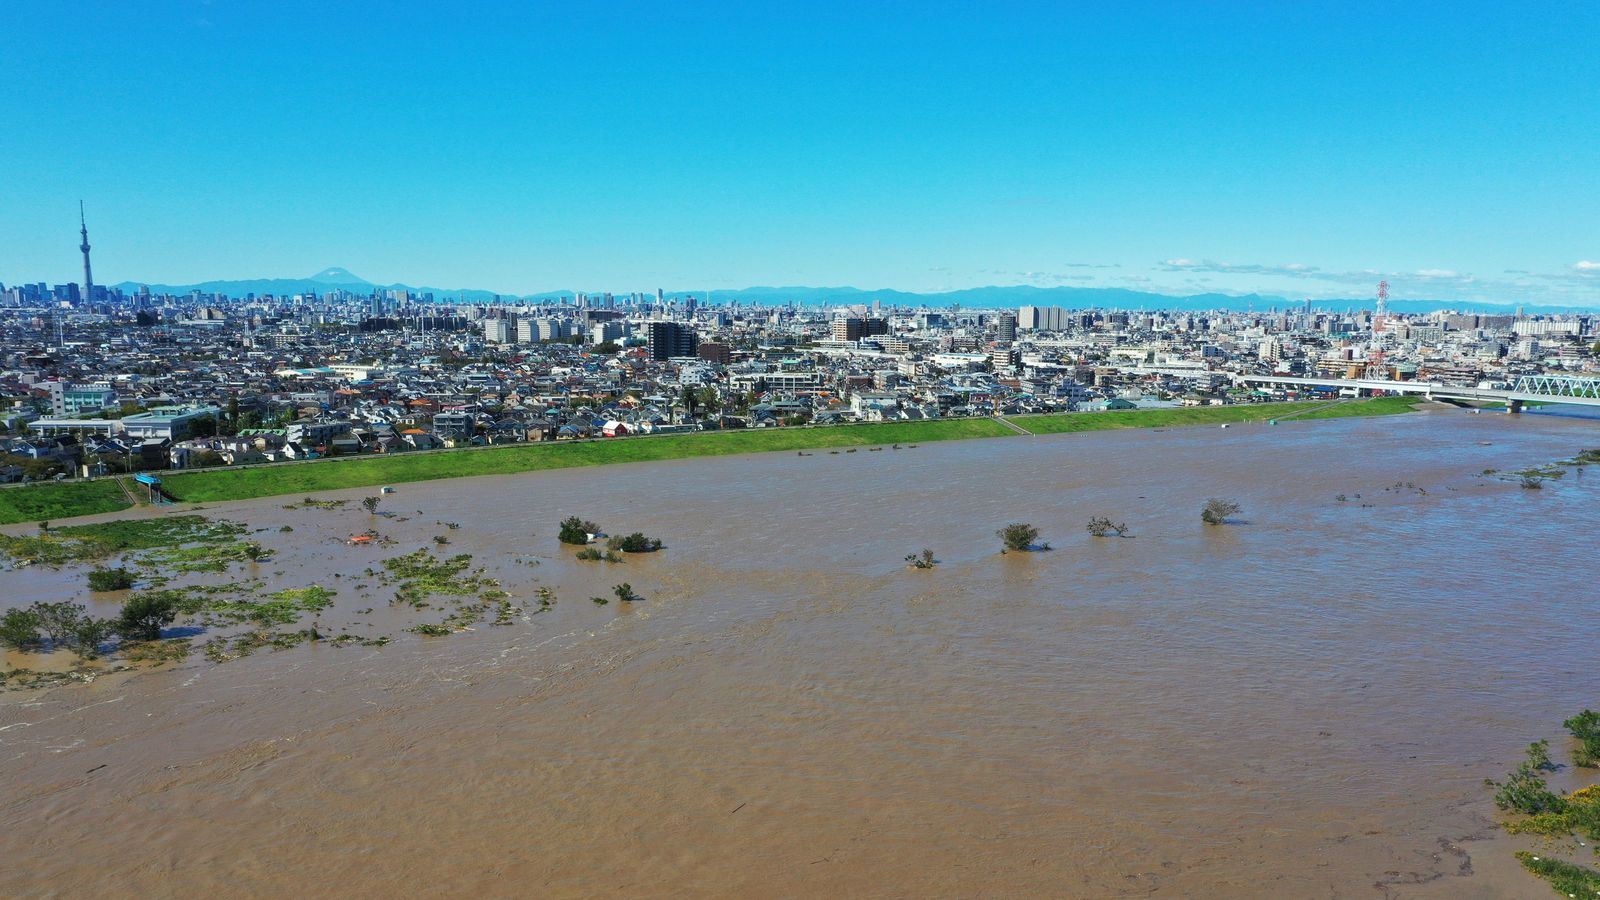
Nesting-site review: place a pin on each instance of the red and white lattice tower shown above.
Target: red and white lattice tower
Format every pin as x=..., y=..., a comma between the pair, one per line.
x=1376, y=366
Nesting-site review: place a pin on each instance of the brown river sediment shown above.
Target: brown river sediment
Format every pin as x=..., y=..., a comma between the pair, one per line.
x=1302, y=704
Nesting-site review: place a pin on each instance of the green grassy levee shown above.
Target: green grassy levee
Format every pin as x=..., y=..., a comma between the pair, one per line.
x=78, y=499
x=36, y=502
x=1213, y=415
x=291, y=478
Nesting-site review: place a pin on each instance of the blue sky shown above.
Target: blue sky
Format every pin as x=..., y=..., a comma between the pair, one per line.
x=1305, y=149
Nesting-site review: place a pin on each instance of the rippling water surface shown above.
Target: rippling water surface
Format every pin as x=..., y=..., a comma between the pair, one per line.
x=1304, y=703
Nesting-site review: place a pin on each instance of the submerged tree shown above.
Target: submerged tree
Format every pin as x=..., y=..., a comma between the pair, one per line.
x=144, y=615
x=1217, y=510
x=1018, y=536
x=1100, y=526
x=576, y=531
x=118, y=579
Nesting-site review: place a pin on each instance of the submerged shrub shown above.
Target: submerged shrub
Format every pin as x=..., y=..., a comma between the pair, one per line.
x=101, y=580
x=574, y=530
x=145, y=614
x=1018, y=536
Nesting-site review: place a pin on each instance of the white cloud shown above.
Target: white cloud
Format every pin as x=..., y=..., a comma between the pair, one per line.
x=1584, y=265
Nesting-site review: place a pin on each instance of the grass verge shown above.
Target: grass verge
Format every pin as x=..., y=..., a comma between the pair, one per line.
x=34, y=502
x=289, y=478
x=1211, y=415
x=238, y=484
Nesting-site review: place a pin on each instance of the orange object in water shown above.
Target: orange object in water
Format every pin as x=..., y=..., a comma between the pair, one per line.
x=361, y=539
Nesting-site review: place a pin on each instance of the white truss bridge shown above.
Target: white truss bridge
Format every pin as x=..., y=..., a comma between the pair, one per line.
x=1567, y=389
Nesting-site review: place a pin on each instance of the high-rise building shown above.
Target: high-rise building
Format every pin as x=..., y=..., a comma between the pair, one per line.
x=1042, y=318
x=671, y=339
x=847, y=329
x=1006, y=328
x=607, y=332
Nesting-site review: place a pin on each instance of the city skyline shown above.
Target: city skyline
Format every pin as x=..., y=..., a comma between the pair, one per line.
x=1162, y=149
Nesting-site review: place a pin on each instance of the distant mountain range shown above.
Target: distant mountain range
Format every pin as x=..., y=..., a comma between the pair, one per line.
x=993, y=297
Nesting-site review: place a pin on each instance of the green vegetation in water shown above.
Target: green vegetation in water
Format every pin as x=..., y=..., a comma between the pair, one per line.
x=104, y=580
x=207, y=557
x=590, y=554
x=1019, y=537
x=284, y=607
x=1553, y=815
x=1585, y=726
x=1100, y=526
x=29, y=679
x=223, y=649
x=80, y=543
x=157, y=652
x=418, y=577
x=923, y=560
x=313, y=503
x=146, y=613
x=1564, y=878
x=1217, y=510
x=574, y=530
x=634, y=543
x=1525, y=790
x=59, y=625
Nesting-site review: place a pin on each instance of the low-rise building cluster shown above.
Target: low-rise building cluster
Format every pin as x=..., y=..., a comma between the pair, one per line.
x=129, y=383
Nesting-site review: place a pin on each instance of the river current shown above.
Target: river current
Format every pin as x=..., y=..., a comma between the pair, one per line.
x=1302, y=703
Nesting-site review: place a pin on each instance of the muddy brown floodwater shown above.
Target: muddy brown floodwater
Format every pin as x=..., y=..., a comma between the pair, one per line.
x=1302, y=704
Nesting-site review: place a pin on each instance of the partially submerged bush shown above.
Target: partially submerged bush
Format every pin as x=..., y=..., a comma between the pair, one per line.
x=145, y=614
x=1217, y=510
x=1100, y=526
x=64, y=625
x=1585, y=726
x=1524, y=790
x=19, y=629
x=576, y=531
x=923, y=560
x=634, y=543
x=1018, y=536
x=101, y=580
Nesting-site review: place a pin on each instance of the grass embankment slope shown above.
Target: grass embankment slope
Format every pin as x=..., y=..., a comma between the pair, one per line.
x=61, y=501
x=1213, y=415
x=238, y=484
x=35, y=502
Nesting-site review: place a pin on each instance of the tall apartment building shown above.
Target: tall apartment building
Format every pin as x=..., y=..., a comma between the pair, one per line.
x=1042, y=318
x=672, y=339
x=847, y=329
x=533, y=331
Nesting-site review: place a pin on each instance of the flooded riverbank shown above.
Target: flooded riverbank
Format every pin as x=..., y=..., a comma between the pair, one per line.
x=1304, y=703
